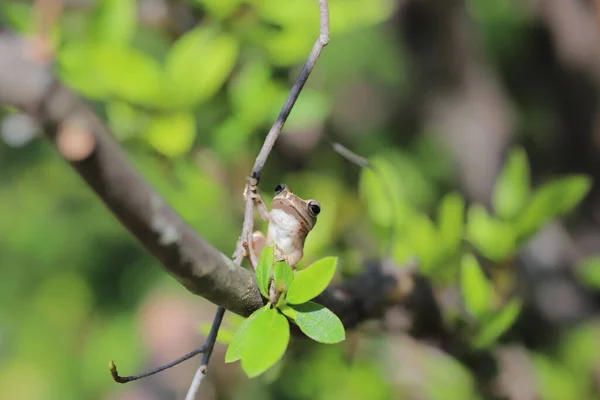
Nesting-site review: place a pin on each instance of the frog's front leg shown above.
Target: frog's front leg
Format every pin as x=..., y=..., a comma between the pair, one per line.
x=293, y=258
x=252, y=191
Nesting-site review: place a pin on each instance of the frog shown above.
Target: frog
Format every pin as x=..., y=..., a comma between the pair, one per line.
x=290, y=221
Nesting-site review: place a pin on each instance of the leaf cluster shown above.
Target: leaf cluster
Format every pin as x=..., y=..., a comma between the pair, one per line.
x=450, y=248
x=262, y=339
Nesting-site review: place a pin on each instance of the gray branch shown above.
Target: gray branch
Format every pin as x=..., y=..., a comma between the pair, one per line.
x=31, y=86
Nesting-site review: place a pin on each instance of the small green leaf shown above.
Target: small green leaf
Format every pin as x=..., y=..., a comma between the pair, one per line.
x=265, y=342
x=498, y=324
x=424, y=241
x=288, y=312
x=114, y=21
x=589, y=271
x=190, y=76
x=451, y=222
x=109, y=71
x=173, y=134
x=380, y=191
x=221, y=9
x=263, y=270
x=511, y=190
x=234, y=351
x=319, y=323
x=312, y=280
x=551, y=200
x=283, y=276
x=493, y=238
x=477, y=292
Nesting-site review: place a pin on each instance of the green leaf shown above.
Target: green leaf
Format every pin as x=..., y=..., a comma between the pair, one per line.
x=319, y=323
x=172, y=134
x=111, y=71
x=263, y=270
x=115, y=21
x=551, y=200
x=312, y=280
x=451, y=222
x=283, y=276
x=493, y=238
x=265, y=342
x=477, y=292
x=589, y=271
x=198, y=65
x=424, y=241
x=234, y=351
x=288, y=312
x=380, y=192
x=253, y=93
x=221, y=9
x=491, y=330
x=511, y=190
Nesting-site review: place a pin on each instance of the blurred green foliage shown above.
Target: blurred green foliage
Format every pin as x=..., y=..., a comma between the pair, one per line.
x=190, y=109
x=444, y=250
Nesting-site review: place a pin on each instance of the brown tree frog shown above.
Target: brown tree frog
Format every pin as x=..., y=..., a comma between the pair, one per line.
x=290, y=220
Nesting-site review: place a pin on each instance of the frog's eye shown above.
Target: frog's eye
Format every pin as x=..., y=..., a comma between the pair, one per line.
x=314, y=207
x=280, y=188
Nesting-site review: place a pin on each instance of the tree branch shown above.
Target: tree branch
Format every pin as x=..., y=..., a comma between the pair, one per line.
x=29, y=85
x=202, y=269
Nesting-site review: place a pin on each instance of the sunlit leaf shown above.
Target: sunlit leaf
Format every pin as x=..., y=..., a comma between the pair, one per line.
x=288, y=311
x=220, y=8
x=493, y=238
x=254, y=94
x=380, y=190
x=172, y=134
x=493, y=328
x=556, y=382
x=551, y=200
x=108, y=70
x=319, y=323
x=451, y=214
x=234, y=351
x=263, y=269
x=198, y=65
x=424, y=241
x=511, y=190
x=477, y=292
x=114, y=21
x=312, y=280
x=265, y=342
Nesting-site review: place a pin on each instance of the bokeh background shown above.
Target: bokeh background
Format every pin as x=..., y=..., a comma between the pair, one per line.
x=437, y=92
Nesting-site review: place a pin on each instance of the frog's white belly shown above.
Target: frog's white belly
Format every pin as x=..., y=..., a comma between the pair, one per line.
x=283, y=229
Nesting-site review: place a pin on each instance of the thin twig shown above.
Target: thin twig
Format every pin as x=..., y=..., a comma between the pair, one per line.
x=254, y=179
x=295, y=91
x=210, y=344
x=125, y=379
x=364, y=163
x=349, y=154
